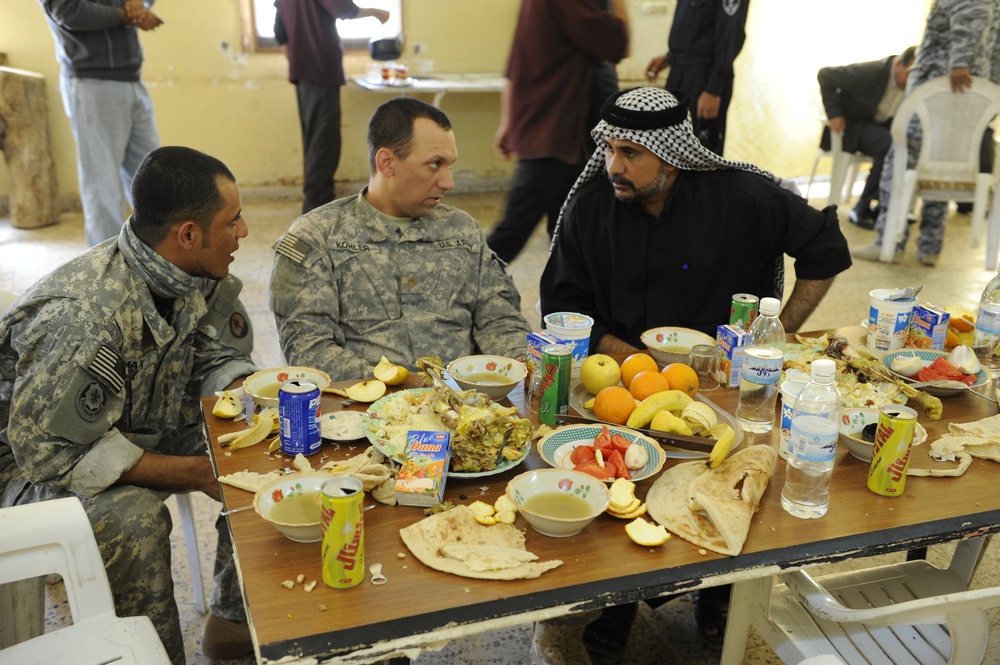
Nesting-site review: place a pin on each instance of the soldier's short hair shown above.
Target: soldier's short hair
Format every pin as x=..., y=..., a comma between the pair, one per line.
x=174, y=184
x=391, y=126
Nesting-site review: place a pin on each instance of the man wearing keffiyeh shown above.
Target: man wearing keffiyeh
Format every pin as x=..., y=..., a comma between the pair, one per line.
x=666, y=238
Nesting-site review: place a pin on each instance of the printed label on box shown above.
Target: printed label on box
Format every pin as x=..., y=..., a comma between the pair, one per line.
x=928, y=327
x=423, y=472
x=729, y=350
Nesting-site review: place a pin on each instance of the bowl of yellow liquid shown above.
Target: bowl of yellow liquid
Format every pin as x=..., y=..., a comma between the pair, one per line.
x=495, y=376
x=263, y=385
x=292, y=504
x=558, y=502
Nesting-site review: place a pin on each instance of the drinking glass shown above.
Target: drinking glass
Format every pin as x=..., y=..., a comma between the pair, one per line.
x=702, y=360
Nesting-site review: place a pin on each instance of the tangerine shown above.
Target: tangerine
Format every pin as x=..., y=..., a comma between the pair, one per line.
x=681, y=377
x=635, y=363
x=614, y=404
x=647, y=383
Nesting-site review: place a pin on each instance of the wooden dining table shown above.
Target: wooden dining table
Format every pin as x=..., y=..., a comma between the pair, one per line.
x=601, y=566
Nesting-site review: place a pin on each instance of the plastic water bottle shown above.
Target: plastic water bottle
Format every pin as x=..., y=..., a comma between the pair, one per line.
x=760, y=375
x=986, y=339
x=815, y=428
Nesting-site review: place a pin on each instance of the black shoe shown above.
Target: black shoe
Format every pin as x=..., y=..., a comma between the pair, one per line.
x=711, y=611
x=607, y=636
x=964, y=208
x=864, y=221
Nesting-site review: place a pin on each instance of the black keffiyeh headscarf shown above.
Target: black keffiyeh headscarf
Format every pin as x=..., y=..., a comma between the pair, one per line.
x=658, y=120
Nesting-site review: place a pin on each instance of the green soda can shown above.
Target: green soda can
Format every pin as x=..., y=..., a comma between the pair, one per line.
x=557, y=367
x=743, y=310
x=891, y=454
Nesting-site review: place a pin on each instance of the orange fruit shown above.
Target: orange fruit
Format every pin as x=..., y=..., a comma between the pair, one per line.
x=962, y=323
x=681, y=377
x=635, y=363
x=614, y=404
x=646, y=383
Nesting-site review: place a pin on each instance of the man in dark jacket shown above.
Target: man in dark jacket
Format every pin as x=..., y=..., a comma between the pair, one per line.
x=860, y=101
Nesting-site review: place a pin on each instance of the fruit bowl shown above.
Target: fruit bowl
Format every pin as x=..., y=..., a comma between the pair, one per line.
x=544, y=492
x=494, y=376
x=296, y=522
x=669, y=344
x=852, y=421
x=263, y=385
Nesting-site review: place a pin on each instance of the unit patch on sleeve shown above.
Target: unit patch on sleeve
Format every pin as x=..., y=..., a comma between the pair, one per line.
x=90, y=401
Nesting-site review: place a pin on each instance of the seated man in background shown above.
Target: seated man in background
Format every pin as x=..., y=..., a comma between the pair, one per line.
x=392, y=271
x=860, y=102
x=667, y=238
x=102, y=364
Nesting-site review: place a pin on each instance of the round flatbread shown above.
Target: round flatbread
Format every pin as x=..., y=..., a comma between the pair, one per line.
x=453, y=542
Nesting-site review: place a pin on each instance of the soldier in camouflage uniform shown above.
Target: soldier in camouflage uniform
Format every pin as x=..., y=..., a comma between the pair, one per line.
x=102, y=364
x=392, y=271
x=960, y=41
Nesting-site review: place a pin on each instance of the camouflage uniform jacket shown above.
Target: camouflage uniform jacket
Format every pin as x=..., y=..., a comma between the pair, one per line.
x=347, y=288
x=959, y=33
x=91, y=375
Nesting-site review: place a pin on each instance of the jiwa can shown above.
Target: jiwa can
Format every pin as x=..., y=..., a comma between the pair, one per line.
x=557, y=367
x=298, y=417
x=342, y=523
x=891, y=455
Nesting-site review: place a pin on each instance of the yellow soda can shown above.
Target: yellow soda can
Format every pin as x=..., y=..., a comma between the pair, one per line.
x=891, y=455
x=342, y=524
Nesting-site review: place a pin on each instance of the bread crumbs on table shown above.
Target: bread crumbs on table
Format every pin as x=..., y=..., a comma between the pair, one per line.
x=702, y=551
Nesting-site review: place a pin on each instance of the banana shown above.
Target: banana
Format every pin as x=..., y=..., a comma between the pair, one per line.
x=263, y=422
x=669, y=400
x=700, y=417
x=664, y=421
x=723, y=444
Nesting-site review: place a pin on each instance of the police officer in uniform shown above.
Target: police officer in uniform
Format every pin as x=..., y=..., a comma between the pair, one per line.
x=102, y=366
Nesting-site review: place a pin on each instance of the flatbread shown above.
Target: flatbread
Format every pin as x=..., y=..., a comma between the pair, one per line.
x=713, y=508
x=250, y=481
x=453, y=542
x=980, y=438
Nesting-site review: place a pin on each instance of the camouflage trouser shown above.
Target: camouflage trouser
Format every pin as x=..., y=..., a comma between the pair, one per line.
x=132, y=527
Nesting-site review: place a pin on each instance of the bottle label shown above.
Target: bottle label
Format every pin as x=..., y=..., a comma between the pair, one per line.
x=988, y=322
x=762, y=366
x=814, y=438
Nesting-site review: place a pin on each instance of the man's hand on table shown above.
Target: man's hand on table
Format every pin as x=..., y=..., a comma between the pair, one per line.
x=173, y=472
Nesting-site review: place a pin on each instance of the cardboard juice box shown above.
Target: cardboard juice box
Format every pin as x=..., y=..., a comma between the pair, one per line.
x=533, y=357
x=729, y=354
x=422, y=475
x=928, y=327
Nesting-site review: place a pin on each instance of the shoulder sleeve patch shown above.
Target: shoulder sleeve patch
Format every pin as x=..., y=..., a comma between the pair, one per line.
x=293, y=248
x=109, y=368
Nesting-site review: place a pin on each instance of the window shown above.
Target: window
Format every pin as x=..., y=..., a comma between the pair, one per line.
x=354, y=33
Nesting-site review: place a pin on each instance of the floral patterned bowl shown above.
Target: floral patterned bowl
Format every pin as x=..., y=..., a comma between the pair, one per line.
x=672, y=345
x=495, y=376
x=545, y=516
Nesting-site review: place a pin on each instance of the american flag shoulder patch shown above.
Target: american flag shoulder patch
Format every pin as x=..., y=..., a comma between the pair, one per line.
x=293, y=248
x=109, y=368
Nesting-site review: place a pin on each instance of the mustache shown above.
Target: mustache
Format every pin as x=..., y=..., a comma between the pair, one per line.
x=621, y=180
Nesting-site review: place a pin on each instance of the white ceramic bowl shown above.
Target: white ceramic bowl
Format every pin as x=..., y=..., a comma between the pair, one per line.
x=539, y=481
x=263, y=385
x=852, y=421
x=495, y=376
x=669, y=344
x=288, y=486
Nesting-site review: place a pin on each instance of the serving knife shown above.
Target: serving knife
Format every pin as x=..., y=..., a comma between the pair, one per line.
x=683, y=441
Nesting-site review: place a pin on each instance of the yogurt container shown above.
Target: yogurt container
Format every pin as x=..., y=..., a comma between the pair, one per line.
x=573, y=330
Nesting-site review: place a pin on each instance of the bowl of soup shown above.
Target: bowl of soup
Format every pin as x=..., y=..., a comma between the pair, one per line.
x=857, y=432
x=495, y=376
x=669, y=344
x=263, y=385
x=558, y=502
x=292, y=503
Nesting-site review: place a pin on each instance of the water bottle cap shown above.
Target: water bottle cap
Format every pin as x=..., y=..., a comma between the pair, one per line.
x=770, y=306
x=823, y=368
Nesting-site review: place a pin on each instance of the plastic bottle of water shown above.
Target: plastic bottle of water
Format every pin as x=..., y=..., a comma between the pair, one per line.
x=815, y=428
x=986, y=339
x=760, y=375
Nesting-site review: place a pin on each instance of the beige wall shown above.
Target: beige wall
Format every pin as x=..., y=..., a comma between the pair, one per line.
x=239, y=107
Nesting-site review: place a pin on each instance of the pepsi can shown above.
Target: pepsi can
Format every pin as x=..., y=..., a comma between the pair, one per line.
x=298, y=417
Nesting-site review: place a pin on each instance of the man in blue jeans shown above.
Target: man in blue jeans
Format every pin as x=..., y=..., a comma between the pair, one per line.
x=97, y=45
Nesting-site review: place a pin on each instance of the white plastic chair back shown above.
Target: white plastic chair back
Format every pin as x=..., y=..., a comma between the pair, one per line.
x=948, y=164
x=846, y=165
x=56, y=537
x=909, y=612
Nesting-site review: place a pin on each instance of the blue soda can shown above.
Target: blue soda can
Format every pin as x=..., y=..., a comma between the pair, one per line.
x=298, y=415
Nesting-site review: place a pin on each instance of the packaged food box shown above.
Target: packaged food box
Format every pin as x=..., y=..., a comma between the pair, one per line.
x=423, y=472
x=729, y=341
x=533, y=357
x=928, y=327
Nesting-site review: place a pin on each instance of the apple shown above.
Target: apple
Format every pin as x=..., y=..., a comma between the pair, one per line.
x=599, y=371
x=368, y=390
x=389, y=373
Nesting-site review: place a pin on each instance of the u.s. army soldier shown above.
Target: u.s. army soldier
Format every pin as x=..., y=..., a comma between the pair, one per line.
x=102, y=364
x=392, y=271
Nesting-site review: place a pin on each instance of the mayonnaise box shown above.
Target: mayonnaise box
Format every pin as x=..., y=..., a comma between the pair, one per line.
x=928, y=327
x=729, y=341
x=423, y=472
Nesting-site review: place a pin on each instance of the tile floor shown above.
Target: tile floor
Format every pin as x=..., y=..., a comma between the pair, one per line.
x=957, y=280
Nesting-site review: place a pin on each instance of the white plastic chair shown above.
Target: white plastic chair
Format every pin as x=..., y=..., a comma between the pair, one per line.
x=948, y=164
x=56, y=537
x=845, y=167
x=909, y=612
